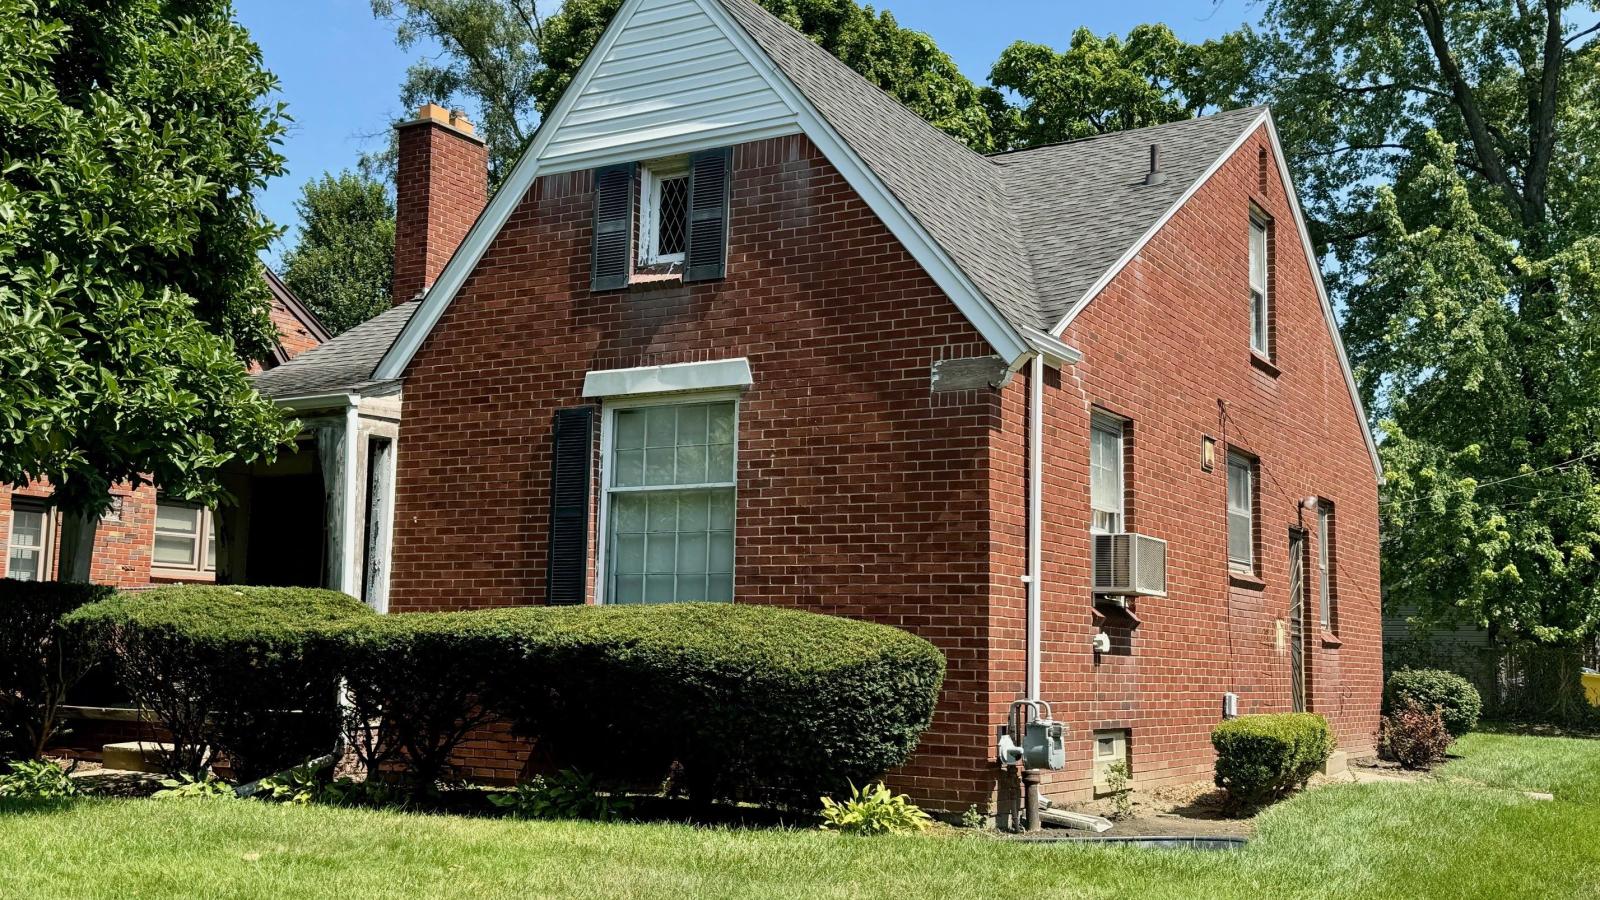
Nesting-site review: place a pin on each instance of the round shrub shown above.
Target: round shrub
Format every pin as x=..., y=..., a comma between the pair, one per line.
x=1414, y=737
x=727, y=700
x=247, y=671
x=40, y=660
x=1262, y=758
x=1456, y=699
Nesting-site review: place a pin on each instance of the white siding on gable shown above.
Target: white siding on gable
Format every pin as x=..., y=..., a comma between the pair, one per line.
x=673, y=81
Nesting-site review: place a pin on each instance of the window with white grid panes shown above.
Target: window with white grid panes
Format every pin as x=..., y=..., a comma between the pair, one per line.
x=669, y=485
x=663, y=211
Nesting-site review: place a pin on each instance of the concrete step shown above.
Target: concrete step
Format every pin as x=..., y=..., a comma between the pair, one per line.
x=1337, y=764
x=134, y=756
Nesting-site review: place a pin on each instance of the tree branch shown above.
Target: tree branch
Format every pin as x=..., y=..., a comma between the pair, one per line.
x=1580, y=35
x=1494, y=168
x=1542, y=117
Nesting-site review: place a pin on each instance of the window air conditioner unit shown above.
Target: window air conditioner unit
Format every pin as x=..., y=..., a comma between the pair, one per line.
x=1129, y=565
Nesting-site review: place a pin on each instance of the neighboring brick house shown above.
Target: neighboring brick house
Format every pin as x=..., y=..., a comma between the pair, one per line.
x=738, y=326
x=143, y=539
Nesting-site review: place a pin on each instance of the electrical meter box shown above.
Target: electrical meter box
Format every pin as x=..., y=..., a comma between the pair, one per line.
x=1044, y=745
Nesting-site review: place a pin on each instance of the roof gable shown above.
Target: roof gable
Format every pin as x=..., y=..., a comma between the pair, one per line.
x=670, y=76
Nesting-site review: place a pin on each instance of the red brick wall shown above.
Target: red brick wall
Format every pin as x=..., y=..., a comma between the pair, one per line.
x=860, y=492
x=293, y=336
x=1168, y=338
x=441, y=184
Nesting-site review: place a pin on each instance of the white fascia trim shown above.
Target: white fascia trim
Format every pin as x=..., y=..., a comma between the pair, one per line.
x=994, y=328
x=1122, y=263
x=719, y=374
x=1322, y=294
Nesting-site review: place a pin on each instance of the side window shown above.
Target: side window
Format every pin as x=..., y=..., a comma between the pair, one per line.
x=1106, y=484
x=1241, y=512
x=1260, y=289
x=1325, y=560
x=669, y=494
x=28, y=544
x=186, y=541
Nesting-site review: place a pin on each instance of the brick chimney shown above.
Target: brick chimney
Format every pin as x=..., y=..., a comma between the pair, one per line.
x=441, y=184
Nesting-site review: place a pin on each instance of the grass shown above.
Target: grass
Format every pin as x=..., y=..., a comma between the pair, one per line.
x=1468, y=832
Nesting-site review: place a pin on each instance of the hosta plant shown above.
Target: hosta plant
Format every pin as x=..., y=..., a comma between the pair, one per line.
x=873, y=809
x=37, y=779
x=567, y=794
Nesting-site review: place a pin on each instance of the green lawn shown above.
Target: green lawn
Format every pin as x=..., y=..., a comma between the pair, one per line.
x=1469, y=832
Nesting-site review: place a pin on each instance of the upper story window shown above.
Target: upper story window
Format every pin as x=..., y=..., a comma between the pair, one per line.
x=669, y=494
x=1105, y=474
x=663, y=212
x=1260, y=293
x=666, y=217
x=186, y=541
x=1241, y=512
x=28, y=545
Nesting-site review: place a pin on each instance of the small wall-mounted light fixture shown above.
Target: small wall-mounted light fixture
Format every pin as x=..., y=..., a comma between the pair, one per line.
x=1208, y=453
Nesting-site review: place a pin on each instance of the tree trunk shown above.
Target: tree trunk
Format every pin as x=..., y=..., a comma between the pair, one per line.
x=77, y=544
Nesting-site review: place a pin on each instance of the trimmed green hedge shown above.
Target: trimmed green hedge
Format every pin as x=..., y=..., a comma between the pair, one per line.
x=1458, y=702
x=247, y=671
x=1261, y=758
x=728, y=700
x=721, y=700
x=40, y=660
x=724, y=700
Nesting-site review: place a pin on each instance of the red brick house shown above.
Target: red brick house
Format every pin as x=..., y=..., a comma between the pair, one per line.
x=740, y=327
x=144, y=539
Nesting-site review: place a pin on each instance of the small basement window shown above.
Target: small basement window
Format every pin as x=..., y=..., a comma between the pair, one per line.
x=1110, y=748
x=663, y=212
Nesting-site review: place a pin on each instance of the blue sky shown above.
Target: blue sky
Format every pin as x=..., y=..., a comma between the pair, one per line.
x=340, y=70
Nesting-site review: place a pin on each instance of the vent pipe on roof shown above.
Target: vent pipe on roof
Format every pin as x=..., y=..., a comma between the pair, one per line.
x=1155, y=175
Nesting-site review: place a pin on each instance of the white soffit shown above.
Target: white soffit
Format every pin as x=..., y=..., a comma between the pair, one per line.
x=719, y=374
x=676, y=76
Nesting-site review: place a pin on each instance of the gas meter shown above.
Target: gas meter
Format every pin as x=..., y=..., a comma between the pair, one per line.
x=1043, y=739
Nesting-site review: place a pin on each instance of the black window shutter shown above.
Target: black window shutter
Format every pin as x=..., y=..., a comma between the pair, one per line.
x=613, y=227
x=571, y=453
x=706, y=256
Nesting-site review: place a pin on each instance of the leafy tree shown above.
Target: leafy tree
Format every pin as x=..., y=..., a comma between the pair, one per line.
x=512, y=59
x=1099, y=85
x=342, y=264
x=1450, y=155
x=132, y=136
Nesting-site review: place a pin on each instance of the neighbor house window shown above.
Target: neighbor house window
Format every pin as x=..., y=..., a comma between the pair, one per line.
x=1325, y=562
x=186, y=540
x=1105, y=474
x=1241, y=512
x=669, y=483
x=663, y=212
x=1260, y=299
x=28, y=546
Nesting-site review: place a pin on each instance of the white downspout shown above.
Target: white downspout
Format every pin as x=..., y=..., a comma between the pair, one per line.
x=1035, y=518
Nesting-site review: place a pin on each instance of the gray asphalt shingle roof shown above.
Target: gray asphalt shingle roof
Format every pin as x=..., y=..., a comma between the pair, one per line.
x=342, y=364
x=1032, y=230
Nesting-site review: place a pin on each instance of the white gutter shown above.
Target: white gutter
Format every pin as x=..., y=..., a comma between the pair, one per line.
x=1035, y=518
